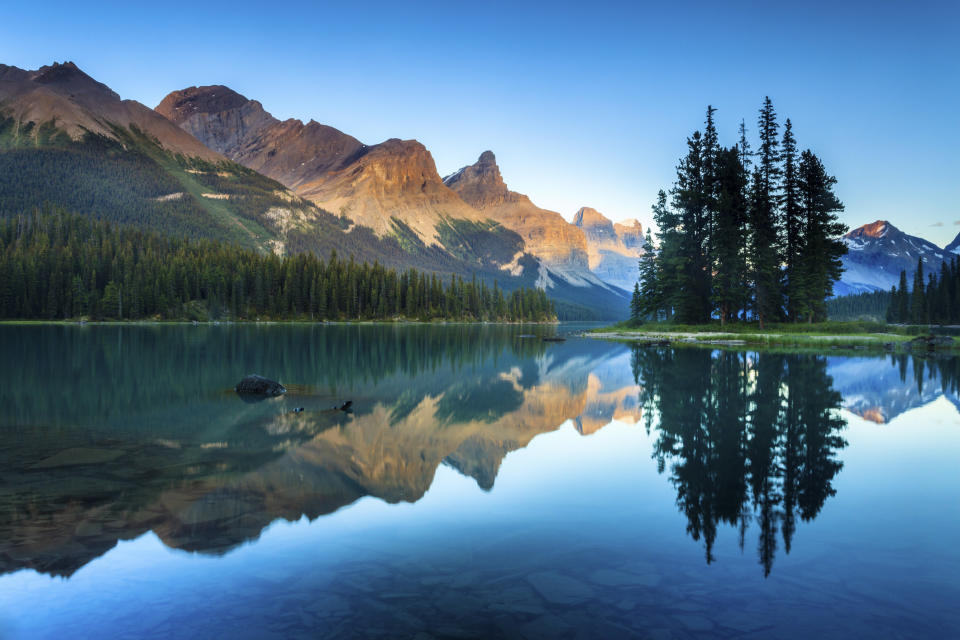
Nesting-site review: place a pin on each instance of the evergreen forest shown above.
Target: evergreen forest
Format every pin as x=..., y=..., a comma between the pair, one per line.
x=934, y=300
x=744, y=234
x=55, y=265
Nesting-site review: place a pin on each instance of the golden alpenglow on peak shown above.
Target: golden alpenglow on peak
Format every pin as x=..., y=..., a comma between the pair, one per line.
x=561, y=245
x=373, y=185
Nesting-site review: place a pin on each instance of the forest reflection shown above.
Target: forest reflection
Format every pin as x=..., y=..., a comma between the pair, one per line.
x=748, y=437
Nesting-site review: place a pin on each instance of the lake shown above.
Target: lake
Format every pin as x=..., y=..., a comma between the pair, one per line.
x=485, y=484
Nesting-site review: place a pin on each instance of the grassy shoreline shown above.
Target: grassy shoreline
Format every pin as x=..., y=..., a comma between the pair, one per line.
x=824, y=336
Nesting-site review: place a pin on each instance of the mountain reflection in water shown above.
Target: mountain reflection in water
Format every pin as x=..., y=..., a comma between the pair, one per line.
x=110, y=432
x=140, y=430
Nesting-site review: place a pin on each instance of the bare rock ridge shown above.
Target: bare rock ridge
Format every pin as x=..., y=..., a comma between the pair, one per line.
x=63, y=95
x=481, y=185
x=289, y=151
x=561, y=245
x=597, y=227
x=613, y=249
x=369, y=184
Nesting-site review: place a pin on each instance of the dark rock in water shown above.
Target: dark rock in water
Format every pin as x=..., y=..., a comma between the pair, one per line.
x=254, y=385
x=346, y=406
x=931, y=342
x=297, y=410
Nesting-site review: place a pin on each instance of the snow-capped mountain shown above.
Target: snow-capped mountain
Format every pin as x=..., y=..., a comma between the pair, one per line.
x=878, y=252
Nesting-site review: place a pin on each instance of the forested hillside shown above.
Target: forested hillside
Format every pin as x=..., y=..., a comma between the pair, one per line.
x=55, y=265
x=860, y=306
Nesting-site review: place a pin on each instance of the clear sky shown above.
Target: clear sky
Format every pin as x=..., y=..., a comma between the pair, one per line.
x=586, y=103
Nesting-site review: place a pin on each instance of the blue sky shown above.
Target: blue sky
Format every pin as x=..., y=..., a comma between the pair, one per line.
x=584, y=103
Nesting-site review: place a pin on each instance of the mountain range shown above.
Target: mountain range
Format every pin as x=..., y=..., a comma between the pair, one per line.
x=208, y=162
x=390, y=187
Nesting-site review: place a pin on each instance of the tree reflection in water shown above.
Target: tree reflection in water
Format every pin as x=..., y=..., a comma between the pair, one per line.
x=748, y=437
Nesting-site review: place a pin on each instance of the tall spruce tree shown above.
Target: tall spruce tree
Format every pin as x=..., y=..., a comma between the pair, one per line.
x=820, y=254
x=729, y=260
x=918, y=303
x=650, y=304
x=764, y=250
x=670, y=261
x=903, y=303
x=792, y=225
x=636, y=304
x=891, y=316
x=689, y=200
x=710, y=153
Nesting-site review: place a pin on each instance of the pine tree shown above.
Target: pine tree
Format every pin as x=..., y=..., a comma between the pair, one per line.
x=689, y=199
x=793, y=225
x=820, y=254
x=670, y=259
x=918, y=303
x=903, y=302
x=636, y=304
x=764, y=252
x=650, y=303
x=729, y=264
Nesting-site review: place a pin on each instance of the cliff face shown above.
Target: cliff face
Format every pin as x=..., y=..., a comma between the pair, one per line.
x=396, y=179
x=613, y=249
x=547, y=235
x=630, y=233
x=371, y=185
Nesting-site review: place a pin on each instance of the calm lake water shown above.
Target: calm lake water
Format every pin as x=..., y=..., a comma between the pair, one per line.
x=485, y=485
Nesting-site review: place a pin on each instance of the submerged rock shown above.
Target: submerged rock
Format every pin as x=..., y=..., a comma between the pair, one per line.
x=254, y=385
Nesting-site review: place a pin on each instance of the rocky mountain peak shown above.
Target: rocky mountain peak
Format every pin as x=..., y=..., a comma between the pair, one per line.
x=589, y=217
x=178, y=106
x=480, y=184
x=67, y=77
x=878, y=229
x=488, y=160
x=62, y=95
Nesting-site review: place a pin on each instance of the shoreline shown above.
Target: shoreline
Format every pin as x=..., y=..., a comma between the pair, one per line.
x=877, y=342
x=215, y=323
